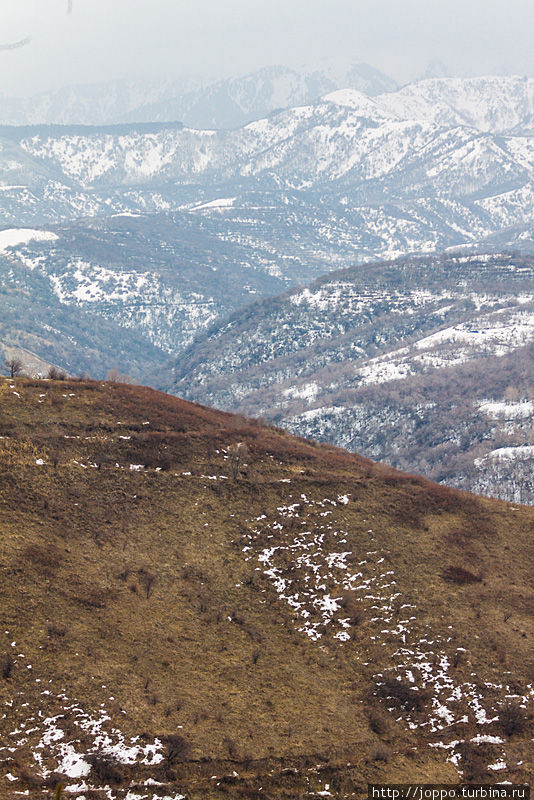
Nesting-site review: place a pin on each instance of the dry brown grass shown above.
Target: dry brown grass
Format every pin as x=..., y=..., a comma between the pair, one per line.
x=136, y=580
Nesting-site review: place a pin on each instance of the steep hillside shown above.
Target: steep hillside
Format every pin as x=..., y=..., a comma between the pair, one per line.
x=33, y=319
x=401, y=361
x=161, y=277
x=197, y=606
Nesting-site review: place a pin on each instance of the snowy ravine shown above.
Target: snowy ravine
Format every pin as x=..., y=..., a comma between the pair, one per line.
x=333, y=590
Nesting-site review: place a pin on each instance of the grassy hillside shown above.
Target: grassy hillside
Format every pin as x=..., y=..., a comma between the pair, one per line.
x=197, y=605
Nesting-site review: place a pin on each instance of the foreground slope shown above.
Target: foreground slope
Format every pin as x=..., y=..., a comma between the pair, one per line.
x=185, y=615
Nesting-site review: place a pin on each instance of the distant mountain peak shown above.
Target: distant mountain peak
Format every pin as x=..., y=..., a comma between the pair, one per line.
x=226, y=103
x=436, y=69
x=357, y=101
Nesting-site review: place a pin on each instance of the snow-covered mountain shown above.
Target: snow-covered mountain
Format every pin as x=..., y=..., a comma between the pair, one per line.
x=93, y=104
x=223, y=217
x=197, y=103
x=490, y=104
x=377, y=182
x=344, y=133
x=348, y=179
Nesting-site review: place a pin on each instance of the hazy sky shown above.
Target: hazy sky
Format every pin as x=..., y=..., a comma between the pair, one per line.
x=104, y=39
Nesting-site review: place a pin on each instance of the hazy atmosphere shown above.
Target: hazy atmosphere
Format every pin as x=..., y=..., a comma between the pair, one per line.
x=84, y=41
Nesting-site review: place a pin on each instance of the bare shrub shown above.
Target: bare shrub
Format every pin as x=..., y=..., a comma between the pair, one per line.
x=46, y=557
x=115, y=376
x=165, y=462
x=56, y=631
x=95, y=597
x=20, y=766
x=178, y=749
x=381, y=752
x=513, y=719
x=457, y=536
x=474, y=763
x=14, y=367
x=378, y=721
x=105, y=769
x=237, y=458
x=232, y=748
x=351, y=608
x=460, y=575
x=404, y=694
x=7, y=667
x=55, y=374
x=458, y=658
x=55, y=457
x=192, y=573
x=147, y=579
x=102, y=460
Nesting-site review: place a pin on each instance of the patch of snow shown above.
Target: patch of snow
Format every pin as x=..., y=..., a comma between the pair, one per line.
x=11, y=237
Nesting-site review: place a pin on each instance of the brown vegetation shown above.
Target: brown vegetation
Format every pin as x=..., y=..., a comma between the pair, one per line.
x=137, y=581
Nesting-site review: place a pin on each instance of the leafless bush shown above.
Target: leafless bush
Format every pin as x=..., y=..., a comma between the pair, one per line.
x=237, y=458
x=460, y=575
x=147, y=579
x=513, y=719
x=403, y=693
x=378, y=721
x=381, y=752
x=102, y=460
x=56, y=631
x=351, y=608
x=20, y=766
x=232, y=748
x=55, y=374
x=115, y=376
x=45, y=557
x=473, y=763
x=178, y=749
x=7, y=667
x=457, y=536
x=192, y=573
x=105, y=769
x=95, y=597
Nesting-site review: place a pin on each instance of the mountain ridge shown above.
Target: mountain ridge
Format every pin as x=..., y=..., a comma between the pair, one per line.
x=196, y=102
x=334, y=360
